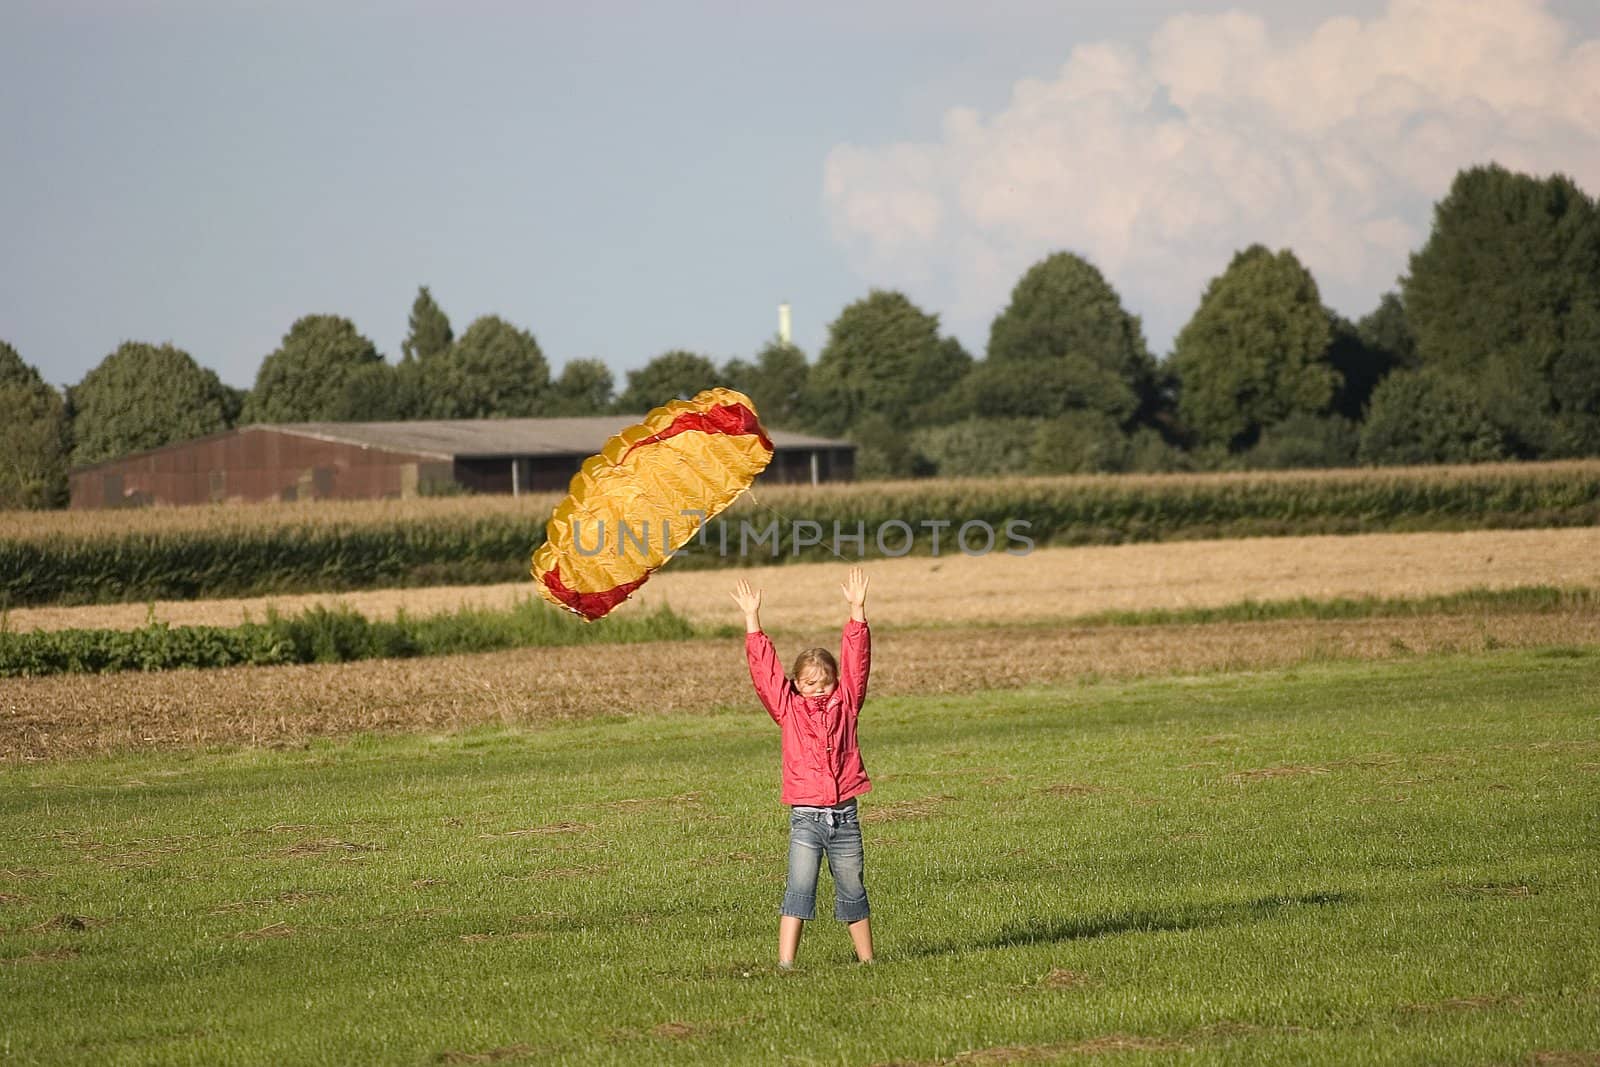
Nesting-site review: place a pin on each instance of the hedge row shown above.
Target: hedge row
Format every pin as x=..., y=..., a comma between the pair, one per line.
x=320, y=635
x=423, y=549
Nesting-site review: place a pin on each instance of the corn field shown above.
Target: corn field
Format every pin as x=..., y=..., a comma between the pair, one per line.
x=119, y=556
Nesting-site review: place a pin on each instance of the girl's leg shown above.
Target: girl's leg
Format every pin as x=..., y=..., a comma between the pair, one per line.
x=789, y=931
x=800, y=887
x=861, y=937
x=847, y=864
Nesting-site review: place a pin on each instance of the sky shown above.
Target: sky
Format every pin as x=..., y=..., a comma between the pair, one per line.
x=624, y=179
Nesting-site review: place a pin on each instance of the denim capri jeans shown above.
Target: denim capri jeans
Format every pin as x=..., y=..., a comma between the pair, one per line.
x=836, y=833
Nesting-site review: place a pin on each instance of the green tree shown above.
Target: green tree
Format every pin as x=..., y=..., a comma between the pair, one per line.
x=951, y=369
x=430, y=335
x=1066, y=331
x=1428, y=416
x=322, y=372
x=1359, y=364
x=976, y=447
x=585, y=387
x=1387, y=330
x=34, y=440
x=495, y=370
x=776, y=382
x=884, y=357
x=233, y=399
x=884, y=449
x=1080, y=442
x=1575, y=381
x=144, y=396
x=1303, y=440
x=413, y=380
x=1049, y=388
x=1255, y=351
x=675, y=375
x=1505, y=295
x=372, y=393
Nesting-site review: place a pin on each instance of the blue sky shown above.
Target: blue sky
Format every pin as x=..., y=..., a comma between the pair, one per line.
x=625, y=179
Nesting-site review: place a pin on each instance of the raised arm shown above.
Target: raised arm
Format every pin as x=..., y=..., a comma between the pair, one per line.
x=772, y=687
x=855, y=647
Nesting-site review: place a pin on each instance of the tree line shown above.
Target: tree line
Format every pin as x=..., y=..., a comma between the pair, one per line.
x=1488, y=349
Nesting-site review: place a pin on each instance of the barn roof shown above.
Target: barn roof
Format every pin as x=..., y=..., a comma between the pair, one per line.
x=452, y=438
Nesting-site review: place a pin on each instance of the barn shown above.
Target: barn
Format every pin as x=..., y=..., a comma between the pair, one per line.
x=378, y=460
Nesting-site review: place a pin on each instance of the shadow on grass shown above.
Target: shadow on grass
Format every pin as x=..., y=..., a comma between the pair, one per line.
x=1044, y=930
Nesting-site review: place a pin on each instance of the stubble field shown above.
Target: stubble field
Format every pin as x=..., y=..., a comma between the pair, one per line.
x=77, y=715
x=948, y=624
x=1048, y=584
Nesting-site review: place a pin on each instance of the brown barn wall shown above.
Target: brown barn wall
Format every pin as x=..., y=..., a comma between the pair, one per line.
x=259, y=465
x=254, y=465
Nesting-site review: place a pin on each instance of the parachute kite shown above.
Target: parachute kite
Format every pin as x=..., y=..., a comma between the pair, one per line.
x=649, y=491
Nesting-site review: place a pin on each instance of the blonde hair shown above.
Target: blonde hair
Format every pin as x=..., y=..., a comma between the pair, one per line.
x=812, y=657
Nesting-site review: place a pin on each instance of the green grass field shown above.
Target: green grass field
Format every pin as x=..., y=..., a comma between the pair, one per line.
x=1341, y=863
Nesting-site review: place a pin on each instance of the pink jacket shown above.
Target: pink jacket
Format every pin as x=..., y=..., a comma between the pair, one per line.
x=821, y=760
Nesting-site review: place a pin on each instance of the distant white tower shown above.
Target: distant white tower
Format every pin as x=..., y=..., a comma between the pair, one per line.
x=783, y=323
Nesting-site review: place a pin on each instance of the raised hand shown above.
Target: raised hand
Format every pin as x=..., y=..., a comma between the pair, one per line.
x=855, y=592
x=749, y=601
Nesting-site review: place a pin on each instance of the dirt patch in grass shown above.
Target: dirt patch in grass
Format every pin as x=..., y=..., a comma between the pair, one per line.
x=590, y=871
x=47, y=955
x=1299, y=770
x=540, y=831
x=551, y=920
x=395, y=918
x=271, y=930
x=68, y=922
x=1000, y=1055
x=920, y=808
x=94, y=850
x=1124, y=1043
x=1564, y=1058
x=292, y=896
x=679, y=1029
x=679, y=800
x=1477, y=1003
x=1074, y=789
x=67, y=715
x=1496, y=889
x=139, y=857
x=1003, y=1055
x=493, y=1055
x=1261, y=774
x=1061, y=978
x=1228, y=1029
x=323, y=846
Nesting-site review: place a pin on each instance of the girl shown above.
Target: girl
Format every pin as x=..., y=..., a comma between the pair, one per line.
x=822, y=769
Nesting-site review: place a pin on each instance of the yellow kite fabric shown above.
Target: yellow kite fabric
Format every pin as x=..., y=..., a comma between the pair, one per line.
x=625, y=513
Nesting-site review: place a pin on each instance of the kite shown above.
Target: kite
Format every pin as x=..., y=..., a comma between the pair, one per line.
x=651, y=489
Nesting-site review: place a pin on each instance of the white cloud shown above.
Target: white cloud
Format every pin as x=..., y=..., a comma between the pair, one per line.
x=1158, y=165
